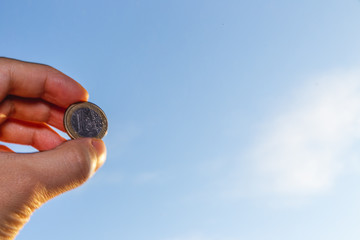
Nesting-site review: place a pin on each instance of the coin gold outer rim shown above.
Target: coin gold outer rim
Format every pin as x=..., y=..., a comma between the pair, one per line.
x=73, y=107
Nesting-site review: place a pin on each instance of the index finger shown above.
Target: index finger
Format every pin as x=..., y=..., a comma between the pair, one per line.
x=34, y=80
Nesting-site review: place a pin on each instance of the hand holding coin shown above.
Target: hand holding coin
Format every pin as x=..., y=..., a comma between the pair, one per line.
x=34, y=97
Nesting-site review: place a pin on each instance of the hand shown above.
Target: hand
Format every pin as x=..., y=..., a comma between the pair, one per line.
x=32, y=97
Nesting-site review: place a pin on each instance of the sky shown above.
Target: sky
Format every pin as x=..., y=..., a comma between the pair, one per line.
x=228, y=120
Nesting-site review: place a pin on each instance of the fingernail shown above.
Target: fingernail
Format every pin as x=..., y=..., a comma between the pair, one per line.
x=100, y=149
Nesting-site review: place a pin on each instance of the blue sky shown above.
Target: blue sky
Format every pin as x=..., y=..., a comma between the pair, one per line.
x=228, y=119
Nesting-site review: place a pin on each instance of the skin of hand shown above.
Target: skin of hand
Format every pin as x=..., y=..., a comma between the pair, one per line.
x=32, y=97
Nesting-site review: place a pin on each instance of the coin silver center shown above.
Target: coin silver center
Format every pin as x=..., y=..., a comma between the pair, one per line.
x=86, y=122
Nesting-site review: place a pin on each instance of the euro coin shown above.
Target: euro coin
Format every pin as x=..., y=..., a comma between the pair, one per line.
x=85, y=119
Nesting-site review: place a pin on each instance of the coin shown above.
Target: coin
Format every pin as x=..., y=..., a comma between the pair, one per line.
x=85, y=119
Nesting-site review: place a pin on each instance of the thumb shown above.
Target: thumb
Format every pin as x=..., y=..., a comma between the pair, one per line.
x=69, y=165
x=29, y=180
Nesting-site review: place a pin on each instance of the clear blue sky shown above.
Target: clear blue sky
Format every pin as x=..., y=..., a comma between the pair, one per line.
x=228, y=120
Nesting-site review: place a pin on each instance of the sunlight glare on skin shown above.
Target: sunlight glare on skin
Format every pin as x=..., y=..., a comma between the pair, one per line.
x=2, y=117
x=102, y=159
